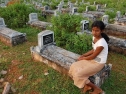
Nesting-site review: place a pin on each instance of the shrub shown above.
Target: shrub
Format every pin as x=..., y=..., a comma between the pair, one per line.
x=16, y=15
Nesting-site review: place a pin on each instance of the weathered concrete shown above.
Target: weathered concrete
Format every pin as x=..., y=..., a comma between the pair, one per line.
x=117, y=45
x=61, y=60
x=96, y=13
x=39, y=24
x=114, y=29
x=11, y=37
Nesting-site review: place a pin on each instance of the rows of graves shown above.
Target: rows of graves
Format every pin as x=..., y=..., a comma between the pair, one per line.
x=60, y=59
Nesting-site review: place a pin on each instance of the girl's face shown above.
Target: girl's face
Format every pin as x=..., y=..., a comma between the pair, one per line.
x=96, y=32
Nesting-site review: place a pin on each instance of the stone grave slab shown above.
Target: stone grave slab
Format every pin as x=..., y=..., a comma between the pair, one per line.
x=11, y=37
x=33, y=21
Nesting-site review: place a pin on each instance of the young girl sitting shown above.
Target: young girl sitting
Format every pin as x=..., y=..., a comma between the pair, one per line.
x=93, y=61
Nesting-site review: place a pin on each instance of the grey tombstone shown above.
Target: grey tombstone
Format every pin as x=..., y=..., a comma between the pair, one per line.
x=118, y=15
x=46, y=7
x=9, y=36
x=33, y=17
x=74, y=10
x=3, y=4
x=59, y=7
x=105, y=19
x=85, y=25
x=45, y=38
x=2, y=23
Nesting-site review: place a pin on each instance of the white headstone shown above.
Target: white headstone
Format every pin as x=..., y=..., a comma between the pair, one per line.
x=76, y=3
x=87, y=8
x=85, y=25
x=2, y=23
x=97, y=7
x=33, y=17
x=105, y=19
x=45, y=38
x=105, y=5
x=82, y=1
x=94, y=2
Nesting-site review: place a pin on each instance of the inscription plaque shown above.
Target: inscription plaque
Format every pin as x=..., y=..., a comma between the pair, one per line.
x=45, y=37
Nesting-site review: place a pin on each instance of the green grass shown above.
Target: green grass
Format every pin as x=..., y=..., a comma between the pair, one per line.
x=35, y=82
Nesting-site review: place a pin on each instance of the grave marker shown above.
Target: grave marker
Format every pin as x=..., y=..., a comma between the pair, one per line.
x=118, y=15
x=45, y=38
x=105, y=19
x=2, y=23
x=85, y=25
x=87, y=8
x=33, y=17
x=74, y=10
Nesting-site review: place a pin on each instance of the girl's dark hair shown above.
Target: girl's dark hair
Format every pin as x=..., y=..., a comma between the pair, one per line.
x=100, y=25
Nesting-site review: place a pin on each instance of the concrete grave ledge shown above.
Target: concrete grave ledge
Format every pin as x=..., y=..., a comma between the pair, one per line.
x=117, y=45
x=39, y=24
x=11, y=37
x=61, y=60
x=121, y=21
x=115, y=29
x=48, y=11
x=96, y=13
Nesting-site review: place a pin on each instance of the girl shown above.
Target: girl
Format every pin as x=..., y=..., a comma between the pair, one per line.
x=93, y=61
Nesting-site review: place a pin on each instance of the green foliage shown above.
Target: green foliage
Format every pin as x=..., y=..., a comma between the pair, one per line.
x=66, y=22
x=65, y=28
x=16, y=15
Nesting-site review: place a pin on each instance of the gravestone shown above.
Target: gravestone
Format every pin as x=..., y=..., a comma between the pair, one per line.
x=118, y=15
x=82, y=1
x=76, y=3
x=9, y=36
x=85, y=25
x=57, y=12
x=45, y=38
x=98, y=7
x=94, y=2
x=105, y=5
x=87, y=8
x=105, y=19
x=59, y=7
x=2, y=23
x=46, y=7
x=74, y=10
x=33, y=17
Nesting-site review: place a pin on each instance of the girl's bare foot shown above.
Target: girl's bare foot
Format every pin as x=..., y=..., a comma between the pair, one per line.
x=86, y=88
x=97, y=91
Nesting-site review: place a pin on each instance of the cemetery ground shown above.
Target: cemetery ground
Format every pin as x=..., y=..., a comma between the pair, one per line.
x=29, y=77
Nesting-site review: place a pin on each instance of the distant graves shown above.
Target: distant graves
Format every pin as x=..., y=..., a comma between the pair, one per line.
x=120, y=20
x=9, y=36
x=33, y=21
